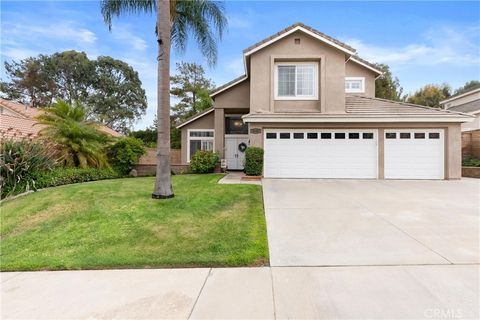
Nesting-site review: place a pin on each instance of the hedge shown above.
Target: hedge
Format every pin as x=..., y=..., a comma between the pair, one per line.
x=123, y=155
x=204, y=161
x=62, y=176
x=253, y=161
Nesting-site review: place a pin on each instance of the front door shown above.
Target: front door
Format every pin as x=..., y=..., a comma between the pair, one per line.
x=235, y=152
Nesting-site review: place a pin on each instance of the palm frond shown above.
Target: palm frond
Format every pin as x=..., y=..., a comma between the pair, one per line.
x=114, y=8
x=205, y=20
x=79, y=142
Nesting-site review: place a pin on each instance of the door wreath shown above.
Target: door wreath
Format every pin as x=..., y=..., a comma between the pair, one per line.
x=242, y=147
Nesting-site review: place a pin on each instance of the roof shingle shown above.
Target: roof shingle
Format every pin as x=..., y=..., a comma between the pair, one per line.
x=295, y=25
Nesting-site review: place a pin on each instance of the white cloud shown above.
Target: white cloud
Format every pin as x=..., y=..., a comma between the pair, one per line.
x=123, y=33
x=440, y=45
x=235, y=66
x=239, y=22
x=18, y=53
x=64, y=30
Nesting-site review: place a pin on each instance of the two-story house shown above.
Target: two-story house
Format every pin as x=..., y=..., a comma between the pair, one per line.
x=467, y=102
x=309, y=101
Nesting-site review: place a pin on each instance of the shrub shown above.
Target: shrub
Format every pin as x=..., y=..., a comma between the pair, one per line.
x=471, y=162
x=62, y=176
x=124, y=154
x=19, y=160
x=253, y=161
x=80, y=142
x=204, y=161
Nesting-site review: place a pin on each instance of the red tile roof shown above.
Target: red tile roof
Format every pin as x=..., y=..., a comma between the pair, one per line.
x=20, y=122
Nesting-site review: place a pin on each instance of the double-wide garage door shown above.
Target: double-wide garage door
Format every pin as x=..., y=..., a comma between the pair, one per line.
x=353, y=153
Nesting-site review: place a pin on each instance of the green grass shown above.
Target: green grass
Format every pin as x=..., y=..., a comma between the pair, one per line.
x=116, y=224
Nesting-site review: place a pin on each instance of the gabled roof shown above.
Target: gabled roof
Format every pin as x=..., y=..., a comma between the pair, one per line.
x=469, y=107
x=366, y=64
x=285, y=32
x=472, y=90
x=227, y=85
x=195, y=117
x=295, y=27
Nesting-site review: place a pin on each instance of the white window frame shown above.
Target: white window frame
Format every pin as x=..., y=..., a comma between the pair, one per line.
x=362, y=88
x=199, y=138
x=297, y=97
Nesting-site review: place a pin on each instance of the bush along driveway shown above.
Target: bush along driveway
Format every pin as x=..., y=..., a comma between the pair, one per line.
x=116, y=224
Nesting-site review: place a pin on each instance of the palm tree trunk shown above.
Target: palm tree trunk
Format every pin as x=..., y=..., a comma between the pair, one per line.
x=163, y=181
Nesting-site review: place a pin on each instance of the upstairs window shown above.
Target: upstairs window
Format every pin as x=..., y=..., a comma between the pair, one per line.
x=354, y=85
x=296, y=81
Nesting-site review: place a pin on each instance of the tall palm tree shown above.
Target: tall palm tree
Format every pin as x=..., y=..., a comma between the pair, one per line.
x=176, y=20
x=78, y=142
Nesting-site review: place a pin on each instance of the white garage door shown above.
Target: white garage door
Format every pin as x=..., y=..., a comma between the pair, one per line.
x=312, y=153
x=414, y=154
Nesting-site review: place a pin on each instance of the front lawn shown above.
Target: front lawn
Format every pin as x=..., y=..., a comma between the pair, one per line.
x=116, y=224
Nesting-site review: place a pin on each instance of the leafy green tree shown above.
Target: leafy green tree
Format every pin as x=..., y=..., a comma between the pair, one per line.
x=147, y=135
x=431, y=95
x=73, y=74
x=176, y=20
x=31, y=82
x=387, y=86
x=175, y=134
x=468, y=86
x=118, y=99
x=190, y=87
x=78, y=141
x=110, y=89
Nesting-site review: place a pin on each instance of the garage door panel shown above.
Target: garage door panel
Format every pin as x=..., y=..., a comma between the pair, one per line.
x=321, y=158
x=414, y=158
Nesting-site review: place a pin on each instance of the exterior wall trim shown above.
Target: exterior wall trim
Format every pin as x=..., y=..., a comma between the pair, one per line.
x=229, y=86
x=366, y=66
x=350, y=119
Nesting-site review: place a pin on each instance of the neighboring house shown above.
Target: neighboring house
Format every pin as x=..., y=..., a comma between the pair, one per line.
x=467, y=102
x=309, y=101
x=18, y=121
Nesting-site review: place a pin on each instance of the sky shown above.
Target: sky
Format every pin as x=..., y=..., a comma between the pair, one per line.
x=422, y=42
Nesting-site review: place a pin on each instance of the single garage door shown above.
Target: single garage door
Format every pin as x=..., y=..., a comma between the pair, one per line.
x=414, y=154
x=314, y=153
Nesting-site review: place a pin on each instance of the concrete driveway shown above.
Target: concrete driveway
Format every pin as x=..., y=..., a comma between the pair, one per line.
x=372, y=222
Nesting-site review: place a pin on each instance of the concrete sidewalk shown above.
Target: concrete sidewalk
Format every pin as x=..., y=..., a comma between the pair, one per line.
x=382, y=292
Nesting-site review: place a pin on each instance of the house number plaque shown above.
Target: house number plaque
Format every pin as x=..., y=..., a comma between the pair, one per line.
x=255, y=130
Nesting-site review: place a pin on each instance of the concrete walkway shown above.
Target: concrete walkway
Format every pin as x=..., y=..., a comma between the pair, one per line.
x=387, y=292
x=235, y=177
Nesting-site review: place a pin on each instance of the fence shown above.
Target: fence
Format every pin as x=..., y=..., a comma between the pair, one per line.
x=147, y=163
x=471, y=144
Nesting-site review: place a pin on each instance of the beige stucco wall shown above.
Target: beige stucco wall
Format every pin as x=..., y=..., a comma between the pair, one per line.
x=236, y=97
x=474, y=125
x=205, y=122
x=353, y=69
x=453, y=142
x=332, y=84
